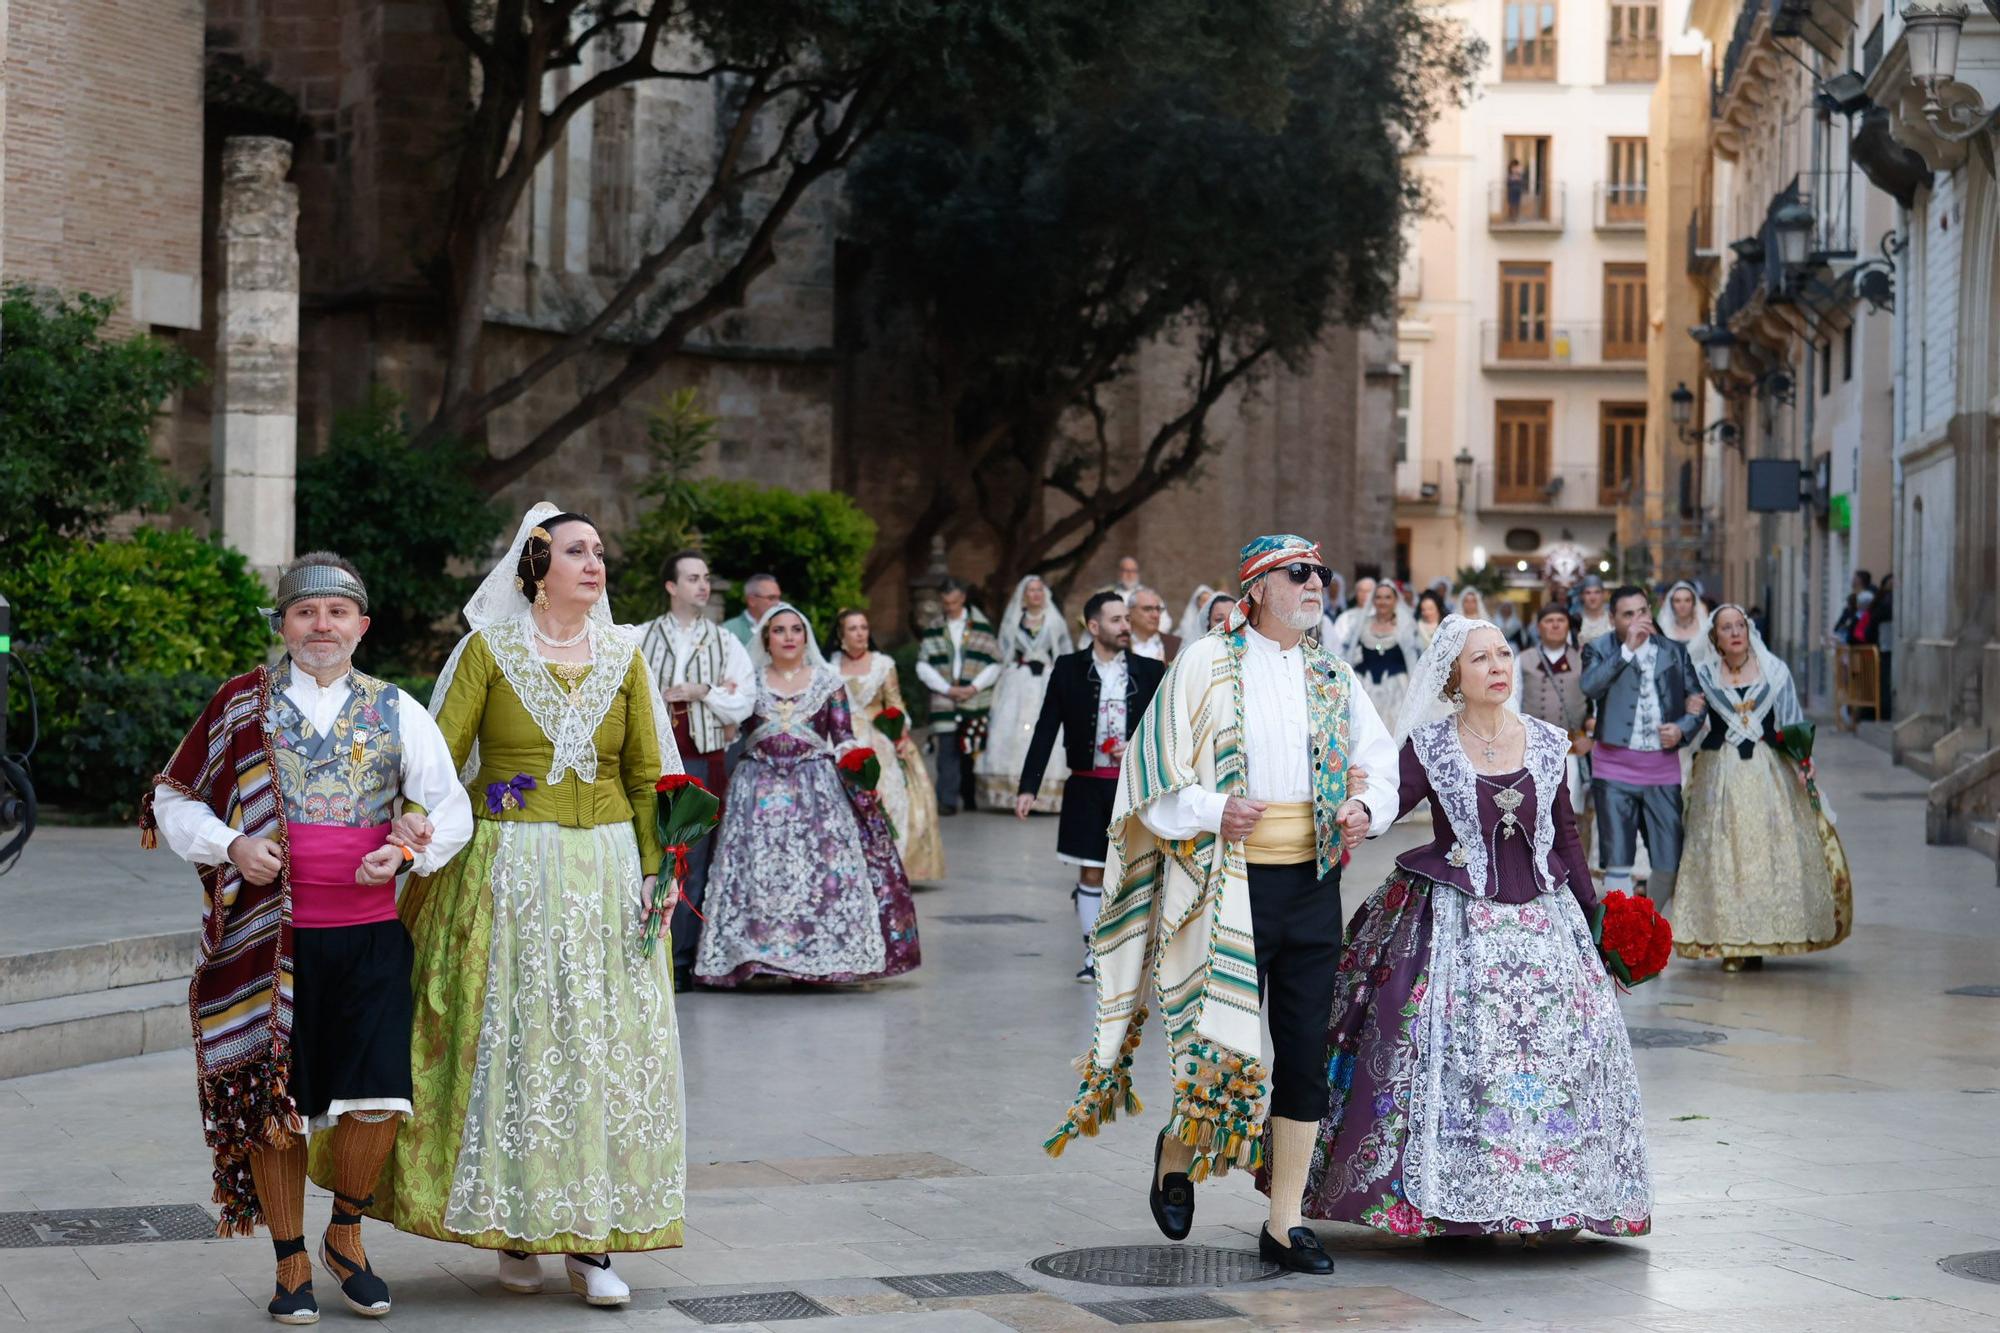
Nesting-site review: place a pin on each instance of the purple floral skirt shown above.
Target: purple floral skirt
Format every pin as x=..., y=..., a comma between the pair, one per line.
x=1481, y=1075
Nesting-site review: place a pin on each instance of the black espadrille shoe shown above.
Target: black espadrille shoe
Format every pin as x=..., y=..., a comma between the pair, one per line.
x=366, y=1294
x=296, y=1306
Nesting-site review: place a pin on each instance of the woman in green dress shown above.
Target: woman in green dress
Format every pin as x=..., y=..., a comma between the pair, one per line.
x=549, y=1112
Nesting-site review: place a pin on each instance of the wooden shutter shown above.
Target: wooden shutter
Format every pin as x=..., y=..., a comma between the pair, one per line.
x=1625, y=181
x=1528, y=40
x=1621, y=451
x=1632, y=47
x=1524, y=311
x=1624, y=312
x=1521, y=451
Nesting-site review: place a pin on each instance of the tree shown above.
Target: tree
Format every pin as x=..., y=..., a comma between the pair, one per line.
x=1233, y=208
x=76, y=417
x=799, y=86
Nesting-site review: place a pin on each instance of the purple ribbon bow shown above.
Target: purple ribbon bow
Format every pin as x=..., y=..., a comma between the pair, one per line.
x=509, y=795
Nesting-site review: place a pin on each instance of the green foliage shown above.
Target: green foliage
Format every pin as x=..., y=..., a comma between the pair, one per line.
x=1488, y=579
x=119, y=637
x=76, y=417
x=816, y=542
x=916, y=696
x=402, y=515
x=680, y=431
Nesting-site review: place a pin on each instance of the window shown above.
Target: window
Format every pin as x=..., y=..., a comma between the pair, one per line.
x=1625, y=181
x=1403, y=370
x=1847, y=354
x=1521, y=451
x=1528, y=40
x=1525, y=192
x=1625, y=312
x=1826, y=368
x=1524, y=311
x=1621, y=452
x=1632, y=49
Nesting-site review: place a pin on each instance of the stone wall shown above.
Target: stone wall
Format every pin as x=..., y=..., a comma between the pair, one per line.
x=103, y=154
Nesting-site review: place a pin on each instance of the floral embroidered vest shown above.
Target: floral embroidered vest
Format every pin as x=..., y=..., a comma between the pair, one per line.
x=347, y=777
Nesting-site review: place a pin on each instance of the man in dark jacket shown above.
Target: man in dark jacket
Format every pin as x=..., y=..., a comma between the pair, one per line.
x=1648, y=706
x=1095, y=697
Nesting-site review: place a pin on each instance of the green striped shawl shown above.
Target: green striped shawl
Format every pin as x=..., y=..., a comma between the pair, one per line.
x=1179, y=911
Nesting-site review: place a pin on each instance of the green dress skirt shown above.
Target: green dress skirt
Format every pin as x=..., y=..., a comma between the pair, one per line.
x=548, y=1106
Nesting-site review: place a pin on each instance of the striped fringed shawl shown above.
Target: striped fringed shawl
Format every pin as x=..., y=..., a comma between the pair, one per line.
x=241, y=997
x=1179, y=912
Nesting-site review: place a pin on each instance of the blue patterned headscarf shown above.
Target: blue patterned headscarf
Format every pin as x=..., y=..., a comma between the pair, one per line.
x=1264, y=554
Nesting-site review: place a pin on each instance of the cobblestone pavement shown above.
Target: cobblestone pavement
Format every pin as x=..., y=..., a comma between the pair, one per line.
x=1823, y=1134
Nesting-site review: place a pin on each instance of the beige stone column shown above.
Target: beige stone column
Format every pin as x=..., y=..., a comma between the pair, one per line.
x=257, y=353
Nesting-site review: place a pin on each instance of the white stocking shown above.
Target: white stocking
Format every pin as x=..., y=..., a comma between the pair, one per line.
x=1291, y=1157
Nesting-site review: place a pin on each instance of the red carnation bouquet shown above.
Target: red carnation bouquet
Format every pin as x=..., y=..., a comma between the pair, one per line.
x=1633, y=938
x=861, y=767
x=685, y=813
x=891, y=723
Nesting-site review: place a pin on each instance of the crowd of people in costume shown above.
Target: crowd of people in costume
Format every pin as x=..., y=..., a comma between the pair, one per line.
x=489, y=1056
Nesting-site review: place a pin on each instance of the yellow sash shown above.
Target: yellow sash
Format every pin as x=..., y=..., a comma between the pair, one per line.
x=1283, y=837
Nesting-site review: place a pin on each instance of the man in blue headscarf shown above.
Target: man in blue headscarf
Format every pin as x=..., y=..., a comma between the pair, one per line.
x=1256, y=765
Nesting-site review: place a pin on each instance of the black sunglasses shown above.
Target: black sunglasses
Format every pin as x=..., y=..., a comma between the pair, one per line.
x=1301, y=574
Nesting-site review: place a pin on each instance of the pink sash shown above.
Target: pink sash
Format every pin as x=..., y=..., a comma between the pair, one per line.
x=324, y=894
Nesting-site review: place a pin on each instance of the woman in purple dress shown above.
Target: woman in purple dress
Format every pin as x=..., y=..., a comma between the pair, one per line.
x=1482, y=1077
x=806, y=884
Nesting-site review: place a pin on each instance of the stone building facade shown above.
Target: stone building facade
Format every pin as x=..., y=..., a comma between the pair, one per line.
x=117, y=134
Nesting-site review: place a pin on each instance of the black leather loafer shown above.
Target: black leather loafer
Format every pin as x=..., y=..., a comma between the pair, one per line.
x=1172, y=1197
x=1304, y=1255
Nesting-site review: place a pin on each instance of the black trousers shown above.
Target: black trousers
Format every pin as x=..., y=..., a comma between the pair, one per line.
x=351, y=1010
x=1295, y=916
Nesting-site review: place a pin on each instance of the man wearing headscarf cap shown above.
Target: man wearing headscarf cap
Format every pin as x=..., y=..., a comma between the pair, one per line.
x=300, y=794
x=1256, y=765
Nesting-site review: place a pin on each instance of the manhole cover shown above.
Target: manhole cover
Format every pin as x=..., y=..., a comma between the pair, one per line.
x=1979, y=1265
x=757, y=1308
x=1657, y=1037
x=987, y=919
x=1156, y=1266
x=933, y=1285
x=1988, y=992
x=1162, y=1310
x=106, y=1226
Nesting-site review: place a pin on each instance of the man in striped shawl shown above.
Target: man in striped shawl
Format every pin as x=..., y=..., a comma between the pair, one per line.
x=1255, y=765
x=301, y=793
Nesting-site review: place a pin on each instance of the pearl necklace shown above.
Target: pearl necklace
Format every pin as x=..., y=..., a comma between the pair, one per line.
x=570, y=642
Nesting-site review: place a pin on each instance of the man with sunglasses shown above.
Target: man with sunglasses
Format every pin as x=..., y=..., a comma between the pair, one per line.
x=1256, y=766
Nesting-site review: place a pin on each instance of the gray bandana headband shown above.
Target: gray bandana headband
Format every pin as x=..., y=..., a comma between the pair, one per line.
x=303, y=581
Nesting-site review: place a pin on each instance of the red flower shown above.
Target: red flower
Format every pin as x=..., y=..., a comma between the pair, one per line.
x=892, y=714
x=1635, y=937
x=1110, y=744
x=676, y=781
x=853, y=760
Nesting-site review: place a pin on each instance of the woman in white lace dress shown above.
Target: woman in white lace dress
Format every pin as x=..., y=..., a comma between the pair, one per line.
x=907, y=793
x=806, y=884
x=1032, y=637
x=548, y=1106
x=1482, y=1076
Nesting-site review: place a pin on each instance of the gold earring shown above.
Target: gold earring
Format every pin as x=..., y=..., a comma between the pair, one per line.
x=541, y=599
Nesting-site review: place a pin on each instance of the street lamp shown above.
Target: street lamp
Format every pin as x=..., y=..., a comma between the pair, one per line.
x=1931, y=33
x=1462, y=470
x=1681, y=406
x=1794, y=223
x=1716, y=342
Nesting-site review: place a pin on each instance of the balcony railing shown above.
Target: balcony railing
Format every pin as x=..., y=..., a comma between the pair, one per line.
x=1560, y=345
x=1420, y=481
x=1521, y=207
x=1562, y=490
x=1632, y=60
x=1619, y=205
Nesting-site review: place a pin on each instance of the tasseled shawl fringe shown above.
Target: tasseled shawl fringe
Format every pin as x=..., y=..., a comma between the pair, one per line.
x=247, y=1107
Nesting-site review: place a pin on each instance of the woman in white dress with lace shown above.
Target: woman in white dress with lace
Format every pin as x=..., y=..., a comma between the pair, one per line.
x=872, y=688
x=1032, y=637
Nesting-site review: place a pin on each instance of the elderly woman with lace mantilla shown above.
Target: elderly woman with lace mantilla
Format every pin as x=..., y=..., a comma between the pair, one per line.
x=549, y=1113
x=1763, y=871
x=1482, y=1077
x=806, y=884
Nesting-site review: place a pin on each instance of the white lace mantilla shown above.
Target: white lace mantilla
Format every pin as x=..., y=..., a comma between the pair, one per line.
x=1523, y=1100
x=1457, y=787
x=569, y=719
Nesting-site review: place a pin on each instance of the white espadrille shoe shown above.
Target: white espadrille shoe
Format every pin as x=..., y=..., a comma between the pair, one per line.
x=521, y=1272
x=590, y=1277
